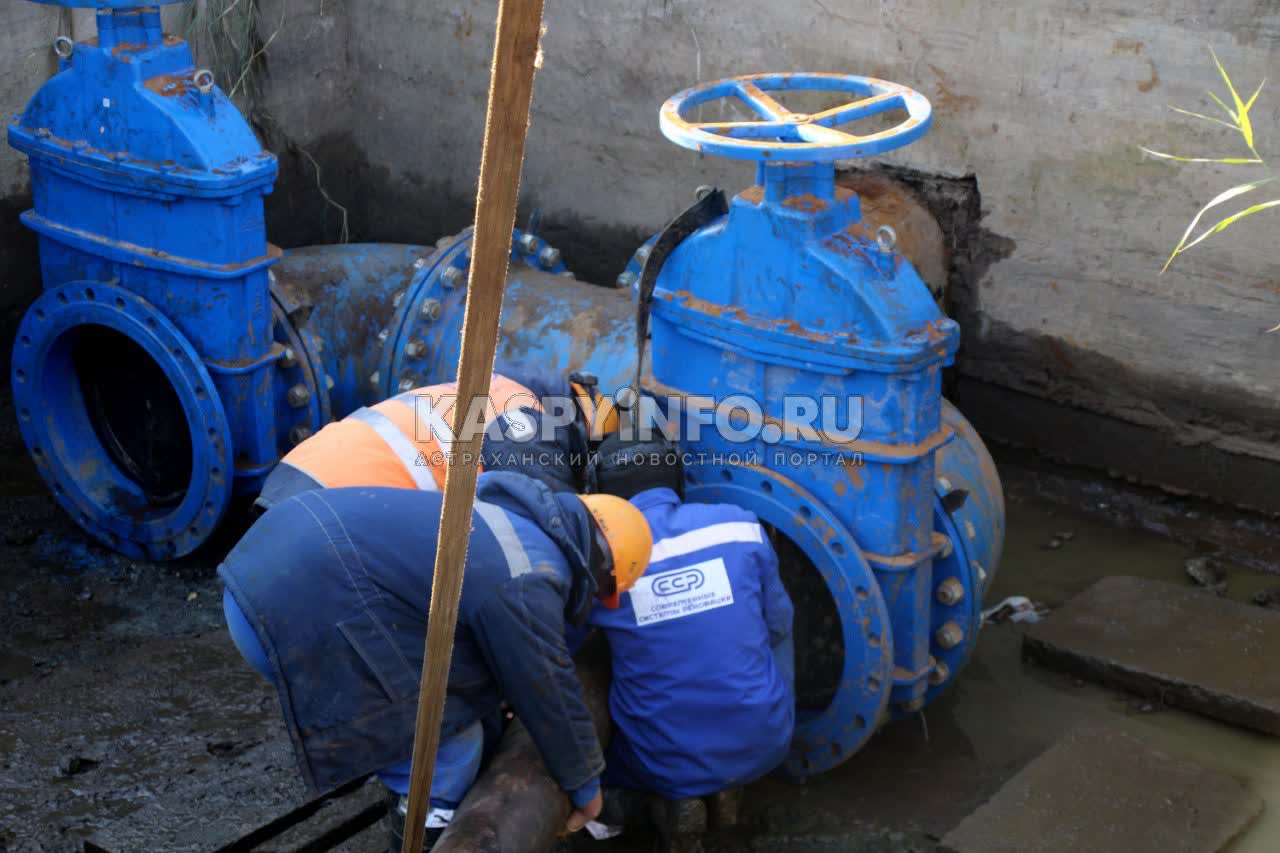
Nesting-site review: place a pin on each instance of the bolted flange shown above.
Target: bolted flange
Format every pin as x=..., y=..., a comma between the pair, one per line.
x=949, y=635
x=950, y=592
x=299, y=396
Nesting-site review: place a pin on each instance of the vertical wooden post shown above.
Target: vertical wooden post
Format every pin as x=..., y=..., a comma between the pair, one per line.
x=515, y=53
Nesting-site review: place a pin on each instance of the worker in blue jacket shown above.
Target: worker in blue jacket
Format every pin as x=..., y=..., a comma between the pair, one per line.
x=703, y=695
x=327, y=595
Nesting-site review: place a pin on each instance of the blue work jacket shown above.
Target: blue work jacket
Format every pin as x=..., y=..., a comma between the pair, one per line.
x=702, y=696
x=336, y=584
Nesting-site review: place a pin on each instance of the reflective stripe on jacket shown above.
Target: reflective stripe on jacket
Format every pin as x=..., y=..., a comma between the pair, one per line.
x=700, y=701
x=336, y=583
x=403, y=442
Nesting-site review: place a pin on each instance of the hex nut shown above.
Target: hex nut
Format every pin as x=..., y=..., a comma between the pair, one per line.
x=642, y=255
x=627, y=279
x=431, y=308
x=299, y=434
x=451, y=277
x=549, y=257
x=949, y=635
x=406, y=384
x=299, y=396
x=528, y=244
x=941, y=672
x=415, y=349
x=288, y=358
x=950, y=592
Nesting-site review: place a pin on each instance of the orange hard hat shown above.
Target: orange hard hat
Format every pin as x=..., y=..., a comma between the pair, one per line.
x=629, y=537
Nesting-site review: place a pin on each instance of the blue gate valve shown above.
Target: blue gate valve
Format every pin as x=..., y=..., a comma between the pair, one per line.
x=815, y=351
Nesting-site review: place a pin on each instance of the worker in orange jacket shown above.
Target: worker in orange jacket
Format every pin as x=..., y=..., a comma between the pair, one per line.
x=536, y=424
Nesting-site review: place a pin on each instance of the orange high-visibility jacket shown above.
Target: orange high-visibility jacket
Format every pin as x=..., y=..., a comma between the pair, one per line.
x=403, y=442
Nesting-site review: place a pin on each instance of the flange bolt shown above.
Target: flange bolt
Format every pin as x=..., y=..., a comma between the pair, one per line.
x=415, y=349
x=642, y=255
x=950, y=592
x=288, y=358
x=528, y=244
x=549, y=257
x=420, y=263
x=451, y=277
x=941, y=672
x=406, y=384
x=431, y=309
x=949, y=635
x=299, y=434
x=299, y=396
x=627, y=279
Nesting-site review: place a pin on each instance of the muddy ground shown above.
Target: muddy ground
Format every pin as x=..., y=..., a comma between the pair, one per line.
x=128, y=720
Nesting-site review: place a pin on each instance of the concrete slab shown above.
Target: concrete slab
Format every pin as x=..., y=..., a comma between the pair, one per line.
x=1101, y=789
x=1176, y=644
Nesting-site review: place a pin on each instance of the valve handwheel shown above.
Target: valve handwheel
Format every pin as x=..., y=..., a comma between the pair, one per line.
x=782, y=136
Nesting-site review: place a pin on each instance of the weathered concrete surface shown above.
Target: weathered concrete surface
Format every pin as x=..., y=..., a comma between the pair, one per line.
x=1103, y=790
x=1180, y=645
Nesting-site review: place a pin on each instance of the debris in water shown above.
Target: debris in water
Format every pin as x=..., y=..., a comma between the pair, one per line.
x=1268, y=598
x=1204, y=571
x=1015, y=608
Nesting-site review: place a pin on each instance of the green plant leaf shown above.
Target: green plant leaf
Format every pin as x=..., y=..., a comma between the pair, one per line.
x=1230, y=161
x=1231, y=220
x=1205, y=117
x=1221, y=198
x=1227, y=110
x=1242, y=109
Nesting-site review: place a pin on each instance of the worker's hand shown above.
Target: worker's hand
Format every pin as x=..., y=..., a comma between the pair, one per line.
x=578, y=817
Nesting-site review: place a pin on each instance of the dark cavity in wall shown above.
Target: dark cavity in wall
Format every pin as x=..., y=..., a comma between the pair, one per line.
x=971, y=248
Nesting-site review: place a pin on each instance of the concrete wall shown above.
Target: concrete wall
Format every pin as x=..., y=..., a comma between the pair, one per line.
x=1073, y=343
